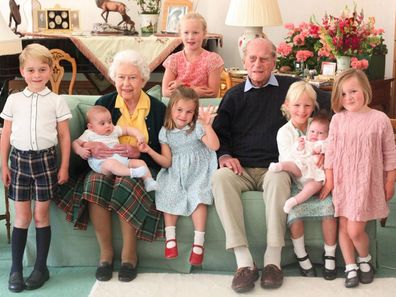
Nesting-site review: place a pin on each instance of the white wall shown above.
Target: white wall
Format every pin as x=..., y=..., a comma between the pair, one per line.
x=215, y=11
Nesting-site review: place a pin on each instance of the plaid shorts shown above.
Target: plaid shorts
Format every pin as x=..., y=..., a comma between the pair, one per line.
x=33, y=175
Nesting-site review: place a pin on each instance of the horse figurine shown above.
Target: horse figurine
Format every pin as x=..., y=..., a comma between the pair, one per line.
x=108, y=5
x=14, y=15
x=129, y=24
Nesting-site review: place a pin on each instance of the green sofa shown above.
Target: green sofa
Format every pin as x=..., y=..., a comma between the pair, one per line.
x=71, y=247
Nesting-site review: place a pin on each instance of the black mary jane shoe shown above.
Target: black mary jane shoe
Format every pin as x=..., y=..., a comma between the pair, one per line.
x=329, y=274
x=36, y=279
x=366, y=277
x=306, y=272
x=15, y=282
x=127, y=272
x=104, y=272
x=351, y=282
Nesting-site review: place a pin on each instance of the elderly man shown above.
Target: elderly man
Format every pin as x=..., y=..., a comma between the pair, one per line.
x=248, y=120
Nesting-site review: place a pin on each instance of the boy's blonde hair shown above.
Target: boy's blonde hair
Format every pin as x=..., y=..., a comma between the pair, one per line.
x=35, y=51
x=181, y=93
x=295, y=91
x=336, y=94
x=95, y=110
x=194, y=16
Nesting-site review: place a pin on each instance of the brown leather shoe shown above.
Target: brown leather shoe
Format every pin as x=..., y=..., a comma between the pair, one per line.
x=272, y=277
x=244, y=279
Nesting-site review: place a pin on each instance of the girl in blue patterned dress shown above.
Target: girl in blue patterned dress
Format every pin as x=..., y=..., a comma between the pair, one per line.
x=188, y=159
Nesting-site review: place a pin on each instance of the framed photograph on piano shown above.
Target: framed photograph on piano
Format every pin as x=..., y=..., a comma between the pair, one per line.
x=172, y=12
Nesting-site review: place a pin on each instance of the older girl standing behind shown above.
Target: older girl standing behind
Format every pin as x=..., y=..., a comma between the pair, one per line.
x=194, y=66
x=188, y=159
x=360, y=168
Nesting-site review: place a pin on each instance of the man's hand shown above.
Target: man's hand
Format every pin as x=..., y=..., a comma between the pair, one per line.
x=231, y=163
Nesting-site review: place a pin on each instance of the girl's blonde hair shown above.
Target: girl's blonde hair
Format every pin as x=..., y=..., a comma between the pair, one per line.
x=194, y=16
x=35, y=51
x=294, y=93
x=336, y=94
x=181, y=93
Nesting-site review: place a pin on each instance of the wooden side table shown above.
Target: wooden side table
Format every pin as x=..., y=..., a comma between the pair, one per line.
x=6, y=216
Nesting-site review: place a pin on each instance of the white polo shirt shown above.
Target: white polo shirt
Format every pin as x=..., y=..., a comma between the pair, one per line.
x=34, y=118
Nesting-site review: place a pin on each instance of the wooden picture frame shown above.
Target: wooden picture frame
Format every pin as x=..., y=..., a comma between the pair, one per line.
x=172, y=12
x=58, y=19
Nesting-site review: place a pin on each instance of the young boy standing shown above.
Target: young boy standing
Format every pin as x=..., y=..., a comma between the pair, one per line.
x=35, y=120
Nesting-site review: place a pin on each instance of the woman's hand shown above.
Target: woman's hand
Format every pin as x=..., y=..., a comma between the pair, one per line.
x=207, y=114
x=84, y=153
x=126, y=150
x=99, y=150
x=231, y=163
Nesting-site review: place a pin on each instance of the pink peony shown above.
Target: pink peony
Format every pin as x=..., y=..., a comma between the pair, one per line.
x=284, y=49
x=303, y=55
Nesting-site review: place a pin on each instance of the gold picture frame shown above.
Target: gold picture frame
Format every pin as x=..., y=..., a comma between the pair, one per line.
x=172, y=11
x=75, y=19
x=40, y=23
x=58, y=19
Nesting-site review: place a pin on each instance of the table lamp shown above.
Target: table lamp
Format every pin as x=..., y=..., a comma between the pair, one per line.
x=252, y=14
x=9, y=42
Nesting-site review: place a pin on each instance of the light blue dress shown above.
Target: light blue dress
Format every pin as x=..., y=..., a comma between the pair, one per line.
x=186, y=183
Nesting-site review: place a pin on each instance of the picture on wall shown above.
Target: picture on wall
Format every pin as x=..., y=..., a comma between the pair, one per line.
x=41, y=20
x=172, y=12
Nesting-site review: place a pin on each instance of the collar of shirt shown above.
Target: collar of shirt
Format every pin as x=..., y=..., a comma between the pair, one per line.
x=272, y=81
x=29, y=93
x=185, y=128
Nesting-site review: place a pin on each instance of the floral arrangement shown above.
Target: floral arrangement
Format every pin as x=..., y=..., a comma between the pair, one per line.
x=348, y=35
x=301, y=45
x=351, y=35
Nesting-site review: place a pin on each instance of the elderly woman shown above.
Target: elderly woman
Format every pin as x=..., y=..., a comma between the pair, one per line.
x=129, y=106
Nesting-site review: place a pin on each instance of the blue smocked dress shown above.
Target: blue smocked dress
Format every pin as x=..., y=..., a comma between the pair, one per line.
x=186, y=183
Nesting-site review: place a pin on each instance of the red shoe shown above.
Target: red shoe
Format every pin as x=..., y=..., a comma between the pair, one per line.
x=171, y=253
x=196, y=259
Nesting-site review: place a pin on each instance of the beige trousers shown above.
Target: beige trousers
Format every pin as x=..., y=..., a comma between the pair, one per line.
x=227, y=188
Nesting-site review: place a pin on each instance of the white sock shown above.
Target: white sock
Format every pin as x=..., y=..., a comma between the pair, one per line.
x=272, y=255
x=365, y=267
x=243, y=257
x=170, y=233
x=138, y=172
x=330, y=250
x=350, y=267
x=289, y=204
x=299, y=249
x=199, y=239
x=150, y=184
x=275, y=167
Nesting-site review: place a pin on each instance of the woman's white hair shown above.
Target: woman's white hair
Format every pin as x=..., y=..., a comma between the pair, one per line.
x=129, y=57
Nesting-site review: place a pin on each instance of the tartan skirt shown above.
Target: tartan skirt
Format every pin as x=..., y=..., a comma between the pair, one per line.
x=123, y=195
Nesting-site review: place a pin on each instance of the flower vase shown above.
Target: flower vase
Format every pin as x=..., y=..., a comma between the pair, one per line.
x=343, y=63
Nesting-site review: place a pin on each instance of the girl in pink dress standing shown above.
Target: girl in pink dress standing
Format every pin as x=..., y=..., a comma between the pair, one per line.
x=360, y=168
x=194, y=66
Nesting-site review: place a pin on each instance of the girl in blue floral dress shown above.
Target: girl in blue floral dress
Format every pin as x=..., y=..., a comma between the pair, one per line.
x=188, y=159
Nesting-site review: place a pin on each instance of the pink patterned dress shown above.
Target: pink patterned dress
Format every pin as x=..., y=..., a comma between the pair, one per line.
x=361, y=146
x=196, y=73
